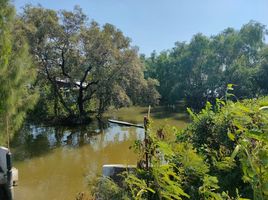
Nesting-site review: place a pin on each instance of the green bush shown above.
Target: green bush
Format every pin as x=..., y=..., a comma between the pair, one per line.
x=222, y=154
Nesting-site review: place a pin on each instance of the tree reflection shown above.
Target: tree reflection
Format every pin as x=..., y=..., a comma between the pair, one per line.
x=36, y=140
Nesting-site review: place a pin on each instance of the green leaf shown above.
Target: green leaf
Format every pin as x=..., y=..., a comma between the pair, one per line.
x=235, y=152
x=231, y=136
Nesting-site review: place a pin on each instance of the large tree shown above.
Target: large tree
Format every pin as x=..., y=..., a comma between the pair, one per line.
x=16, y=74
x=87, y=65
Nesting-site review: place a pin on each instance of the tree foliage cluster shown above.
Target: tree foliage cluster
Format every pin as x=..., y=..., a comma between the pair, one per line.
x=199, y=71
x=76, y=67
x=222, y=154
x=16, y=92
x=83, y=67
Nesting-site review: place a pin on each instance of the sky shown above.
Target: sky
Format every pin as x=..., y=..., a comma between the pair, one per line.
x=158, y=24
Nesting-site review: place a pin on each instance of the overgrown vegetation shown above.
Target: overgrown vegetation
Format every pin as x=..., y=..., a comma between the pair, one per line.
x=222, y=154
x=199, y=71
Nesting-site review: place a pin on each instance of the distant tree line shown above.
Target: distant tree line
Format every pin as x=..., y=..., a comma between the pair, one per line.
x=200, y=70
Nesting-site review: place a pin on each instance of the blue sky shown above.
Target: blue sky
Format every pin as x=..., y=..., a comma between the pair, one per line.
x=158, y=24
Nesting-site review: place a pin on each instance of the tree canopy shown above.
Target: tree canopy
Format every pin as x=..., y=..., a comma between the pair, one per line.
x=88, y=67
x=16, y=92
x=200, y=70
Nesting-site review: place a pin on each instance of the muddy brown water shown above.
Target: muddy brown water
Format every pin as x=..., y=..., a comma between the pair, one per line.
x=55, y=163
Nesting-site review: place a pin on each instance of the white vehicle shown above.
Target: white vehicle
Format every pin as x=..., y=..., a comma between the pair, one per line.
x=8, y=175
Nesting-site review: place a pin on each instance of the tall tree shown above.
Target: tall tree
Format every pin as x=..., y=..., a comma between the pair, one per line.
x=16, y=93
x=84, y=63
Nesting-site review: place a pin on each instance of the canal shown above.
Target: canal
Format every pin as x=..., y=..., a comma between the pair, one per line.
x=56, y=163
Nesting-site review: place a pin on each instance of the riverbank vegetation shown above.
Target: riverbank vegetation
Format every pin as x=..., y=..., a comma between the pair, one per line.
x=83, y=68
x=222, y=154
x=79, y=69
x=76, y=67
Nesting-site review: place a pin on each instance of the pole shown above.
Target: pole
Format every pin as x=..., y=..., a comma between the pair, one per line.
x=146, y=142
x=146, y=123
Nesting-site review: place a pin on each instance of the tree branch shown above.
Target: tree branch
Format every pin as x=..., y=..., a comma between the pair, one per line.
x=88, y=97
x=85, y=75
x=63, y=70
x=62, y=65
x=54, y=83
x=91, y=83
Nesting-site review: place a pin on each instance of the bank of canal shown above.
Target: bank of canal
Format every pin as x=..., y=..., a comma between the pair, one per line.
x=54, y=162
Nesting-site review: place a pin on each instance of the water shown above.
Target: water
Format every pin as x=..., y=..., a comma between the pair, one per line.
x=55, y=162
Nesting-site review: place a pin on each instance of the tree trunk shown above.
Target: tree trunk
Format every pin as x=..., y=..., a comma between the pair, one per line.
x=62, y=100
x=56, y=107
x=80, y=102
x=100, y=109
x=57, y=90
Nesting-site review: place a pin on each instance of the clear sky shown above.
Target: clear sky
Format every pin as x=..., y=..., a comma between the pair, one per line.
x=158, y=24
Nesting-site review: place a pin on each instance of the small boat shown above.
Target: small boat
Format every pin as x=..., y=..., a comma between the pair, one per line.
x=125, y=123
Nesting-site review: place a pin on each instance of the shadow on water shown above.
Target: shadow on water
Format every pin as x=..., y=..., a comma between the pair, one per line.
x=53, y=161
x=35, y=140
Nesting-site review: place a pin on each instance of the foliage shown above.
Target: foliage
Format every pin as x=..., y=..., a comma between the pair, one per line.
x=199, y=71
x=87, y=67
x=234, y=130
x=138, y=187
x=16, y=92
x=221, y=155
x=104, y=188
x=262, y=75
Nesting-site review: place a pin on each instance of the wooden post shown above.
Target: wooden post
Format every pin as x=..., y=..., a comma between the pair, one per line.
x=146, y=142
x=146, y=123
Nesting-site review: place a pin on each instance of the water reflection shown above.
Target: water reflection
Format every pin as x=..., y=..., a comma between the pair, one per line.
x=53, y=161
x=35, y=140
